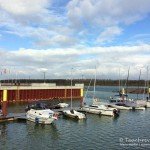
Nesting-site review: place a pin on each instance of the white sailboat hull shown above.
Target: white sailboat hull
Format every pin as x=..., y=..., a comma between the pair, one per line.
x=90, y=110
x=138, y=108
x=97, y=109
x=74, y=114
x=120, y=107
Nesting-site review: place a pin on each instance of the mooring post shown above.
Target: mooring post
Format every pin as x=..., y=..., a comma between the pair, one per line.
x=4, y=103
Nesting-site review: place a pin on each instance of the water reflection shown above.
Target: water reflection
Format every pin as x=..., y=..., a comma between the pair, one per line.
x=3, y=130
x=78, y=121
x=41, y=129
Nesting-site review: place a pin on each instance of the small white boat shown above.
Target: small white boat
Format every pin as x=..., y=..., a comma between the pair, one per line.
x=74, y=114
x=44, y=116
x=101, y=110
x=62, y=105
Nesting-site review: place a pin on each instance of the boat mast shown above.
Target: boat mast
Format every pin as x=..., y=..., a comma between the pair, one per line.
x=139, y=85
x=119, y=80
x=126, y=84
x=94, y=84
x=71, y=88
x=144, y=91
x=148, y=96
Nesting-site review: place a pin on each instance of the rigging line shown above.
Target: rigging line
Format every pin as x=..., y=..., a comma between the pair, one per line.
x=126, y=84
x=87, y=88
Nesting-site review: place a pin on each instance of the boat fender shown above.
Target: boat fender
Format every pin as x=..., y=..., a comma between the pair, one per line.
x=36, y=120
x=72, y=111
x=76, y=117
x=114, y=111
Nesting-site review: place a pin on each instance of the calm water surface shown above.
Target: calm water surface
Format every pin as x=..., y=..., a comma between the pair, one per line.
x=131, y=130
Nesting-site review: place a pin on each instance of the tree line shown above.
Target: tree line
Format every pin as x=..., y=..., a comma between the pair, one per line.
x=59, y=82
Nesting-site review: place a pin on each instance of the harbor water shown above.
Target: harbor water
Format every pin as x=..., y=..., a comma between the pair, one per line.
x=131, y=130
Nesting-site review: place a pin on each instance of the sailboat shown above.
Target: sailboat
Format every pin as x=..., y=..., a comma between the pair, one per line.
x=98, y=108
x=122, y=101
x=118, y=101
x=73, y=113
x=148, y=91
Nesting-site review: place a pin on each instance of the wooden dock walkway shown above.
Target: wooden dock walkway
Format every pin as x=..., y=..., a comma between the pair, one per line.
x=21, y=117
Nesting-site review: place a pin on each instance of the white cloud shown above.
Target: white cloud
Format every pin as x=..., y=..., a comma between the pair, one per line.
x=106, y=16
x=109, y=34
x=58, y=62
x=24, y=7
x=56, y=41
x=72, y=25
x=37, y=20
x=108, y=12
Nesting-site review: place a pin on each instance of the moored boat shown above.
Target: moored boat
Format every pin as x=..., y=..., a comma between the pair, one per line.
x=71, y=113
x=122, y=102
x=43, y=116
x=120, y=106
x=62, y=105
x=100, y=109
x=74, y=114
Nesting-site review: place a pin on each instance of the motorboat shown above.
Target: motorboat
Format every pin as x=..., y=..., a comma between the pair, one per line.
x=37, y=106
x=74, y=114
x=43, y=116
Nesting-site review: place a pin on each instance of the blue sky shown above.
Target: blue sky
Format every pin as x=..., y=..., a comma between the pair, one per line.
x=56, y=35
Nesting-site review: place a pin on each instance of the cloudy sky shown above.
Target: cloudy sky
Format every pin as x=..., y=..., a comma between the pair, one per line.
x=53, y=36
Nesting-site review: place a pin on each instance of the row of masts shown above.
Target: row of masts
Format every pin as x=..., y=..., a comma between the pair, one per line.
x=146, y=84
